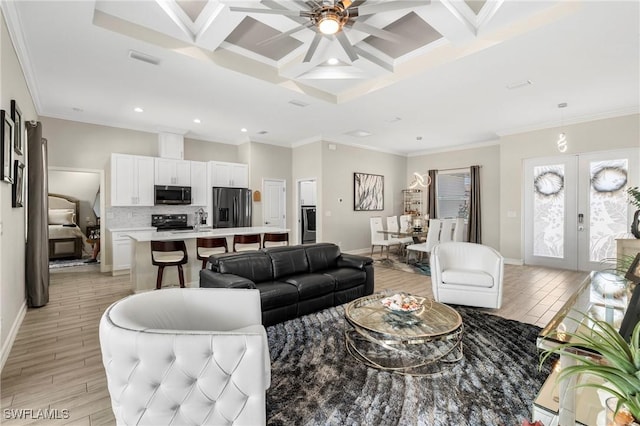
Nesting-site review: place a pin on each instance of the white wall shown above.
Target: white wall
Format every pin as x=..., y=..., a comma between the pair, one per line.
x=269, y=162
x=341, y=224
x=489, y=158
x=599, y=135
x=12, y=221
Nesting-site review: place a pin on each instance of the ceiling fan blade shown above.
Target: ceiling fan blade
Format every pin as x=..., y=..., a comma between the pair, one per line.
x=346, y=45
x=285, y=12
x=285, y=34
x=378, y=32
x=312, y=47
x=385, y=7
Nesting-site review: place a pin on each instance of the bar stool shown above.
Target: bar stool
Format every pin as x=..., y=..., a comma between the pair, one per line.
x=169, y=253
x=246, y=239
x=205, y=247
x=278, y=238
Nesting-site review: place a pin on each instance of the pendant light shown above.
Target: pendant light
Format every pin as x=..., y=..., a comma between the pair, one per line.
x=561, y=143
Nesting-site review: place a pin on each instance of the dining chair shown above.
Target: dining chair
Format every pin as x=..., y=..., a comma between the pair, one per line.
x=405, y=223
x=433, y=238
x=377, y=238
x=446, y=232
x=392, y=226
x=458, y=230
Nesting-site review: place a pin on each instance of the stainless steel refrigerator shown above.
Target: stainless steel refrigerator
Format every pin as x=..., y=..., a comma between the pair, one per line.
x=231, y=207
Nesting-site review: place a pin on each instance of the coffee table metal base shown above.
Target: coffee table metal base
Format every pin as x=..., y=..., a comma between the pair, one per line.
x=413, y=357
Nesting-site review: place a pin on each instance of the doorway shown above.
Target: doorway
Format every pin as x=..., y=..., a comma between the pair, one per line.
x=85, y=185
x=307, y=206
x=274, y=204
x=576, y=206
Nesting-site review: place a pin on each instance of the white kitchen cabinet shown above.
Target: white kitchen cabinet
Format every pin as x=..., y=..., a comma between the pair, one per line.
x=199, y=185
x=233, y=175
x=307, y=193
x=172, y=172
x=171, y=145
x=131, y=180
x=121, y=252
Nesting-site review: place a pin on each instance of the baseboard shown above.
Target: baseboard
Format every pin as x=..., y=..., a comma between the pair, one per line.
x=517, y=262
x=13, y=333
x=362, y=251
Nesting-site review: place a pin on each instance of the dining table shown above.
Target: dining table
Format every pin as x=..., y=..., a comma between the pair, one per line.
x=417, y=235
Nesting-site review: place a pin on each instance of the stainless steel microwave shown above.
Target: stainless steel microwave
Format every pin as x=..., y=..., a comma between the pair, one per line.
x=172, y=194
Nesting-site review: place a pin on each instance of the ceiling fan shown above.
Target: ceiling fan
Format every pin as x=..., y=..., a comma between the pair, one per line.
x=329, y=17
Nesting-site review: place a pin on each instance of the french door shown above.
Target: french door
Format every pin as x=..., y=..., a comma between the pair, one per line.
x=576, y=206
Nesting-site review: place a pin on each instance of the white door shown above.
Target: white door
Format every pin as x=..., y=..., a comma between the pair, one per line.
x=274, y=202
x=576, y=206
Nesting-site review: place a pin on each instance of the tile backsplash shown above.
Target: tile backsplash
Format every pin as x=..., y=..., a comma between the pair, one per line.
x=134, y=217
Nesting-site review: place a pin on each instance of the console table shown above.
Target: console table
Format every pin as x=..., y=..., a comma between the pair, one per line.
x=562, y=403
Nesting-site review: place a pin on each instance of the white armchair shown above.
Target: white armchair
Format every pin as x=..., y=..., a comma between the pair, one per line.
x=190, y=356
x=467, y=274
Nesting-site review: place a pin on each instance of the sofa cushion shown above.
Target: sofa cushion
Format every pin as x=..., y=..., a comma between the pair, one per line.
x=468, y=277
x=287, y=261
x=312, y=285
x=274, y=294
x=347, y=277
x=322, y=256
x=255, y=266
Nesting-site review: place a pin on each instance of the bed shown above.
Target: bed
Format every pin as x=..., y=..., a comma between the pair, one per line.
x=66, y=240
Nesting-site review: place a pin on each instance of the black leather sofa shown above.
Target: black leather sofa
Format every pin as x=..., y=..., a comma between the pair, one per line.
x=293, y=280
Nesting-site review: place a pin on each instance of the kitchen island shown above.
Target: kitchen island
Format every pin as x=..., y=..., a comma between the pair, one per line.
x=143, y=273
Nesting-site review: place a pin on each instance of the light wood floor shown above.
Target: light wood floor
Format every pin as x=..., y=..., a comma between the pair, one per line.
x=56, y=364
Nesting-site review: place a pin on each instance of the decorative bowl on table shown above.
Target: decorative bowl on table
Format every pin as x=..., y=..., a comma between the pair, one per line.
x=402, y=303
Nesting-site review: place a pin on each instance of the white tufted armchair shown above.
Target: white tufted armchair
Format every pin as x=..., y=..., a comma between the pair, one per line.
x=191, y=356
x=467, y=274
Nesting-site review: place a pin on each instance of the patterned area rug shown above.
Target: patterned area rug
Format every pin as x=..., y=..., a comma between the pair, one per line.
x=67, y=263
x=314, y=381
x=399, y=262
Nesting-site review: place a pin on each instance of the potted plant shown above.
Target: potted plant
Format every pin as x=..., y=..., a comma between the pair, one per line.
x=618, y=364
x=634, y=199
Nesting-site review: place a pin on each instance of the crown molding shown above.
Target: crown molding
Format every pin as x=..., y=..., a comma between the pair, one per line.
x=12, y=19
x=567, y=122
x=465, y=146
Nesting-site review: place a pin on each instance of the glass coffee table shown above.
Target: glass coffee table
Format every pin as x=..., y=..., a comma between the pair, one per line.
x=418, y=343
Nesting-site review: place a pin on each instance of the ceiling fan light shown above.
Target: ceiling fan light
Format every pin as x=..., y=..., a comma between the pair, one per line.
x=329, y=24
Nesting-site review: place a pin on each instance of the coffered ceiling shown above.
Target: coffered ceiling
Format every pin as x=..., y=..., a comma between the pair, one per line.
x=412, y=77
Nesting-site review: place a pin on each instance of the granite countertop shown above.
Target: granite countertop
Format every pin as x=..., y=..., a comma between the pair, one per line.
x=204, y=232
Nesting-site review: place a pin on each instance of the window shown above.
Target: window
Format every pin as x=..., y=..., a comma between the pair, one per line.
x=453, y=189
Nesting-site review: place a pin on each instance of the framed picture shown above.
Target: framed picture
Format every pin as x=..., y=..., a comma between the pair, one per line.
x=6, y=141
x=17, y=196
x=633, y=274
x=16, y=116
x=368, y=192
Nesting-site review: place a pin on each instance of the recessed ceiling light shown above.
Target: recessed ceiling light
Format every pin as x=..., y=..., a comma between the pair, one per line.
x=298, y=103
x=519, y=84
x=196, y=120
x=333, y=61
x=359, y=133
x=243, y=130
x=138, y=109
